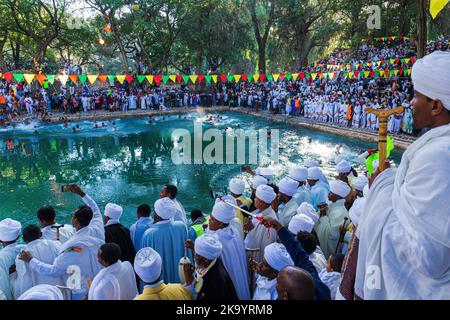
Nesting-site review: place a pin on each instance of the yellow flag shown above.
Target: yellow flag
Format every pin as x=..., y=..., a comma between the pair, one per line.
x=330, y=75
x=350, y=75
x=436, y=6
x=256, y=77
x=392, y=61
x=295, y=76
x=173, y=77
x=395, y=71
x=407, y=60
x=366, y=73
x=314, y=76
x=378, y=63
x=237, y=77
x=63, y=78
x=149, y=79
x=275, y=77
x=121, y=78
x=92, y=78
x=214, y=78
x=29, y=77
x=193, y=78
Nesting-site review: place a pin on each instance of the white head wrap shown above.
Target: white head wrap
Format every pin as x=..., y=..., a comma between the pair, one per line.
x=9, y=229
x=311, y=163
x=208, y=246
x=113, y=211
x=265, y=172
x=340, y=188
x=299, y=174
x=343, y=167
x=42, y=292
x=360, y=182
x=307, y=209
x=314, y=173
x=288, y=186
x=148, y=264
x=258, y=181
x=431, y=77
x=222, y=211
x=265, y=193
x=165, y=208
x=356, y=210
x=237, y=186
x=277, y=256
x=300, y=222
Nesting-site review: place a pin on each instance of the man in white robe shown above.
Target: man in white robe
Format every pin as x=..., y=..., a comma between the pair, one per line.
x=171, y=192
x=42, y=249
x=275, y=258
x=287, y=205
x=328, y=226
x=50, y=229
x=300, y=174
x=9, y=234
x=319, y=192
x=77, y=261
x=233, y=249
x=405, y=227
x=116, y=281
x=42, y=292
x=260, y=236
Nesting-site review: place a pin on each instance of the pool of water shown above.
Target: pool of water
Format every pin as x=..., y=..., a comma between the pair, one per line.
x=129, y=162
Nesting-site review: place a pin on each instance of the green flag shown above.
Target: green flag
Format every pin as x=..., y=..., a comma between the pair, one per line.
x=269, y=77
x=185, y=78
x=51, y=78
x=208, y=79
x=82, y=78
x=288, y=76
x=18, y=76
x=230, y=78
x=165, y=78
x=140, y=78
x=370, y=159
x=111, y=79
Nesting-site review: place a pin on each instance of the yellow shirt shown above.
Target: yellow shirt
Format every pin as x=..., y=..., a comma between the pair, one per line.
x=163, y=291
x=246, y=202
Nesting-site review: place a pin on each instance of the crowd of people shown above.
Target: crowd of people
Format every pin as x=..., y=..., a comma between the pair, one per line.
x=297, y=237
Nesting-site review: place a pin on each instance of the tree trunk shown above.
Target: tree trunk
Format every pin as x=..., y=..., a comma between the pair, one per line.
x=116, y=35
x=421, y=29
x=262, y=58
x=200, y=43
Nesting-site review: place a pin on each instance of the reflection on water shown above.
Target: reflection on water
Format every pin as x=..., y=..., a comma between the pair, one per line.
x=128, y=161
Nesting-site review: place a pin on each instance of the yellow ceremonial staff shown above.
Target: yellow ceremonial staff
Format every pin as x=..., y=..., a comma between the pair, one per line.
x=383, y=116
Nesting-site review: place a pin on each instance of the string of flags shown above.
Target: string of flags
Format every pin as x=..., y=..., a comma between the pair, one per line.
x=45, y=79
x=388, y=38
x=356, y=66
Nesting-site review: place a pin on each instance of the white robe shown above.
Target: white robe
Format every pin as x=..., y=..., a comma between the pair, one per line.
x=7, y=257
x=116, y=282
x=332, y=280
x=64, y=233
x=327, y=228
x=404, y=231
x=234, y=259
x=303, y=194
x=318, y=260
x=45, y=251
x=260, y=236
x=265, y=289
x=89, y=239
x=287, y=211
x=181, y=213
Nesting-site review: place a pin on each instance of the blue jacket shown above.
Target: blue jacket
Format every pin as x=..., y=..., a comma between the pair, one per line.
x=301, y=259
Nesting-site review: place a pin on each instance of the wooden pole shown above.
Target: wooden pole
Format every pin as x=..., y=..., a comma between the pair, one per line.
x=383, y=116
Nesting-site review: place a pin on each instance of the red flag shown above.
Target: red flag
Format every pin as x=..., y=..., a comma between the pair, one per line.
x=412, y=60
x=356, y=74
x=223, y=78
x=41, y=78
x=157, y=79
x=262, y=77
x=371, y=73
x=73, y=77
x=383, y=61
x=179, y=78
x=200, y=78
x=282, y=76
x=8, y=76
x=244, y=77
x=102, y=78
x=397, y=60
x=400, y=72
x=129, y=78
x=301, y=75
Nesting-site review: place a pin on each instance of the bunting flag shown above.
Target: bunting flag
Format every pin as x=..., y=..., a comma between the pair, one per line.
x=237, y=77
x=262, y=77
x=120, y=78
x=230, y=78
x=288, y=76
x=73, y=78
x=129, y=78
x=8, y=76
x=41, y=78
x=244, y=77
x=214, y=78
x=112, y=79
x=63, y=78
x=157, y=79
x=173, y=78
x=179, y=78
x=193, y=78
x=275, y=77
x=208, y=79
x=255, y=77
x=223, y=78
x=269, y=77
x=81, y=77
x=165, y=78
x=200, y=78
x=140, y=78
x=295, y=76
x=29, y=77
x=436, y=6
x=149, y=79
x=92, y=78
x=102, y=78
x=185, y=78
x=18, y=76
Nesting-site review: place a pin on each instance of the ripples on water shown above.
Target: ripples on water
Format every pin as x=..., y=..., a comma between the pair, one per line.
x=129, y=162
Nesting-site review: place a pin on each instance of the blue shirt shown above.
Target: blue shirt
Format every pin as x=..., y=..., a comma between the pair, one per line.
x=138, y=229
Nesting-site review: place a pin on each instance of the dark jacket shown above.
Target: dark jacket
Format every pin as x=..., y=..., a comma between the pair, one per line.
x=118, y=234
x=217, y=284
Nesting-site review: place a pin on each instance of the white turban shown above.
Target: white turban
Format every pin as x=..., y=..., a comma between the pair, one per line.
x=314, y=173
x=9, y=229
x=148, y=264
x=265, y=172
x=42, y=292
x=113, y=211
x=311, y=163
x=360, y=182
x=343, y=167
x=340, y=188
x=301, y=222
x=288, y=186
x=258, y=181
x=277, y=256
x=222, y=211
x=237, y=186
x=431, y=77
x=356, y=210
x=165, y=208
x=208, y=246
x=307, y=209
x=265, y=193
x=299, y=174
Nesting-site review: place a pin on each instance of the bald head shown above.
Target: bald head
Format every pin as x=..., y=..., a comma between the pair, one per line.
x=294, y=283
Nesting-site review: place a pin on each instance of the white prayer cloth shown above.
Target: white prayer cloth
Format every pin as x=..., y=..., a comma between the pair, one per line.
x=303, y=194
x=299, y=174
x=286, y=211
x=45, y=251
x=147, y=264
x=405, y=229
x=113, y=211
x=180, y=215
x=260, y=236
x=258, y=181
x=265, y=289
x=208, y=246
x=116, y=282
x=318, y=260
x=237, y=186
x=307, y=209
x=360, y=182
x=9, y=229
x=65, y=233
x=42, y=292
x=340, y=188
x=301, y=222
x=288, y=186
x=343, y=167
x=332, y=280
x=357, y=209
x=277, y=256
x=7, y=258
x=224, y=212
x=265, y=193
x=165, y=208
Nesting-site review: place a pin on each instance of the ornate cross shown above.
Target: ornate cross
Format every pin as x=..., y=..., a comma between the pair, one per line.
x=383, y=116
